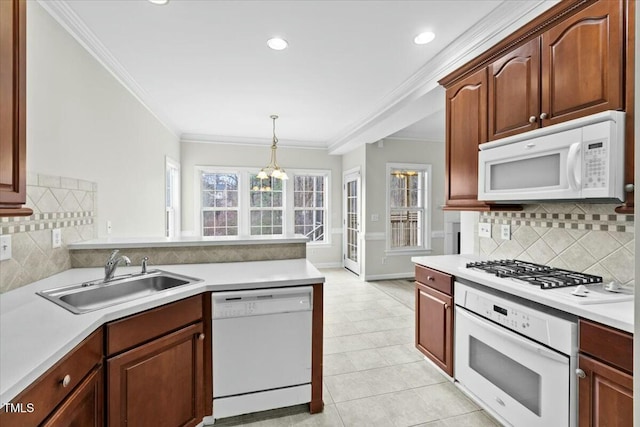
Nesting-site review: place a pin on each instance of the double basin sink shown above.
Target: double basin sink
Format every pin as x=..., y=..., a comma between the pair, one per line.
x=94, y=295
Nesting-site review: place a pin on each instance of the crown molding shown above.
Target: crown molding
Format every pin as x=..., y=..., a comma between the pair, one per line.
x=70, y=21
x=412, y=139
x=501, y=21
x=249, y=141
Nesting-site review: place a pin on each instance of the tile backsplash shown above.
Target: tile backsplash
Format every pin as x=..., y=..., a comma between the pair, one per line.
x=57, y=202
x=590, y=238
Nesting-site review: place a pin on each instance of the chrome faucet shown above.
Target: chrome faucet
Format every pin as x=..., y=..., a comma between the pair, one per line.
x=112, y=264
x=145, y=260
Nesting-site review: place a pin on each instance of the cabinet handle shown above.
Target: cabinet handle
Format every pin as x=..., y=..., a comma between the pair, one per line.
x=66, y=380
x=201, y=337
x=580, y=373
x=629, y=188
x=446, y=306
x=430, y=278
x=543, y=116
x=532, y=119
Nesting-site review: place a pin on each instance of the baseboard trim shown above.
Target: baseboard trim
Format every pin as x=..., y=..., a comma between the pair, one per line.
x=327, y=264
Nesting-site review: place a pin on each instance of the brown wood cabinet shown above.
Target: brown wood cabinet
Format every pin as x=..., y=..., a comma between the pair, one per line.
x=84, y=407
x=156, y=365
x=466, y=111
x=573, y=61
x=605, y=376
x=73, y=386
x=434, y=317
x=13, y=148
x=514, y=91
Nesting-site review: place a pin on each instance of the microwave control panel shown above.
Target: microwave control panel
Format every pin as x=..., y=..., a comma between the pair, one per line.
x=595, y=164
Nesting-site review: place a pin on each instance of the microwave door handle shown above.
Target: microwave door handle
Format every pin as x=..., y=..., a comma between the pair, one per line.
x=572, y=163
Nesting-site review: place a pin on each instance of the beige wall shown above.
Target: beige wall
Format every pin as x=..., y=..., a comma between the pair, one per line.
x=379, y=263
x=229, y=155
x=82, y=123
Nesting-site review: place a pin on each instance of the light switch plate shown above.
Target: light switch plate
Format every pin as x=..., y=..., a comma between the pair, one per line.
x=5, y=247
x=505, y=232
x=56, y=238
x=484, y=229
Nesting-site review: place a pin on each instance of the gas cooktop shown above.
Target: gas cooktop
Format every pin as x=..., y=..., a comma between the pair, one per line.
x=544, y=276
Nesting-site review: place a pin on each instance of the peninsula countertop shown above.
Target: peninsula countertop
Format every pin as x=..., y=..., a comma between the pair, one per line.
x=167, y=242
x=617, y=315
x=35, y=333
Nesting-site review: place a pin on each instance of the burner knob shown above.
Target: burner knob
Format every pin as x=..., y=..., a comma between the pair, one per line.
x=580, y=291
x=612, y=286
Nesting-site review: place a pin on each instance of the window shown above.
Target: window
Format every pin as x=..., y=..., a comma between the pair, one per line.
x=309, y=206
x=266, y=206
x=408, y=201
x=172, y=198
x=234, y=202
x=220, y=206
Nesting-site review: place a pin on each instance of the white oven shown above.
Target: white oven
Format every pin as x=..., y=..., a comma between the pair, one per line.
x=517, y=358
x=582, y=159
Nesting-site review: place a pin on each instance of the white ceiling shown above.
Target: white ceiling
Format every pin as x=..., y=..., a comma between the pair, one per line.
x=351, y=74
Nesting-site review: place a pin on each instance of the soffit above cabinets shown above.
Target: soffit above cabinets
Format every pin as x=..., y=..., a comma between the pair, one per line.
x=350, y=75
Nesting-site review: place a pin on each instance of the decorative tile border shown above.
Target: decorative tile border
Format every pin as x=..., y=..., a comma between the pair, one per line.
x=41, y=225
x=45, y=216
x=574, y=221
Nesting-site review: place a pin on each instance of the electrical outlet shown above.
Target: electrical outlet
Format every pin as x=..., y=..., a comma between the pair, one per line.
x=56, y=238
x=375, y=217
x=5, y=247
x=505, y=232
x=484, y=229
x=384, y=260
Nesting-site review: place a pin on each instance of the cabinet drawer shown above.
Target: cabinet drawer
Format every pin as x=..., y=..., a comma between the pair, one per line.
x=134, y=330
x=435, y=279
x=607, y=344
x=49, y=390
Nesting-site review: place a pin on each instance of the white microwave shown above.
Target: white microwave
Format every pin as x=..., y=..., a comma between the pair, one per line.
x=582, y=159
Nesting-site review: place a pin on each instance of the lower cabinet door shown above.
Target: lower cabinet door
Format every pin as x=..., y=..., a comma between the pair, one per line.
x=434, y=326
x=605, y=395
x=160, y=383
x=84, y=407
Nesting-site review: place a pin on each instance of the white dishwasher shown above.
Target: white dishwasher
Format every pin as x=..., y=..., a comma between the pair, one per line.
x=261, y=349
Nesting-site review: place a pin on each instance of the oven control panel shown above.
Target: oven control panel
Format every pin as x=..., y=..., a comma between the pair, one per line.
x=537, y=324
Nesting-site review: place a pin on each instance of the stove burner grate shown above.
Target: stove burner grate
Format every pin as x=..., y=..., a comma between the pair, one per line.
x=536, y=274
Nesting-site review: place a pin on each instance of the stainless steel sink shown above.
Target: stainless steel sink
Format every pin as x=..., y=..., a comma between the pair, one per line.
x=94, y=295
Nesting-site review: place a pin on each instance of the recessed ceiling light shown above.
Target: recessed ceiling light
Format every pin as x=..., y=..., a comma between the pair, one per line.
x=424, y=38
x=159, y=2
x=277, y=43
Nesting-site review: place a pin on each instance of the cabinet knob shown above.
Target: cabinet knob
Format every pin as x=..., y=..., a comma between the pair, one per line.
x=430, y=278
x=629, y=188
x=532, y=119
x=543, y=116
x=66, y=380
x=201, y=337
x=580, y=373
x=446, y=306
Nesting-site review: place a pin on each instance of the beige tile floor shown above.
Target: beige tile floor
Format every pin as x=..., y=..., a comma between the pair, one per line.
x=373, y=375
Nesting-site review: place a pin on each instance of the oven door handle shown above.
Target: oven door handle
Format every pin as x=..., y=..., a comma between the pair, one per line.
x=512, y=336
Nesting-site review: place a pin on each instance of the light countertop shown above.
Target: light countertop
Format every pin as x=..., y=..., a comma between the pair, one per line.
x=164, y=242
x=617, y=315
x=35, y=333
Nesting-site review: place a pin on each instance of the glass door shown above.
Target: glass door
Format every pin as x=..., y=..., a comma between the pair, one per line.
x=351, y=221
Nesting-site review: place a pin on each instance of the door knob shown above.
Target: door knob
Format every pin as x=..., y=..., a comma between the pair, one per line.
x=544, y=116
x=532, y=119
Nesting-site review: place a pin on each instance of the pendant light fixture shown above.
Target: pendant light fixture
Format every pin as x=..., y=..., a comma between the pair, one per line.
x=272, y=169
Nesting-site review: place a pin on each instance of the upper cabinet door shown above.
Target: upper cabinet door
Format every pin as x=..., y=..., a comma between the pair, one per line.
x=12, y=108
x=466, y=129
x=582, y=64
x=514, y=91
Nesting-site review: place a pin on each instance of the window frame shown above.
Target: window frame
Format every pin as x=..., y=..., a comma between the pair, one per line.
x=244, y=201
x=326, y=173
x=426, y=209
